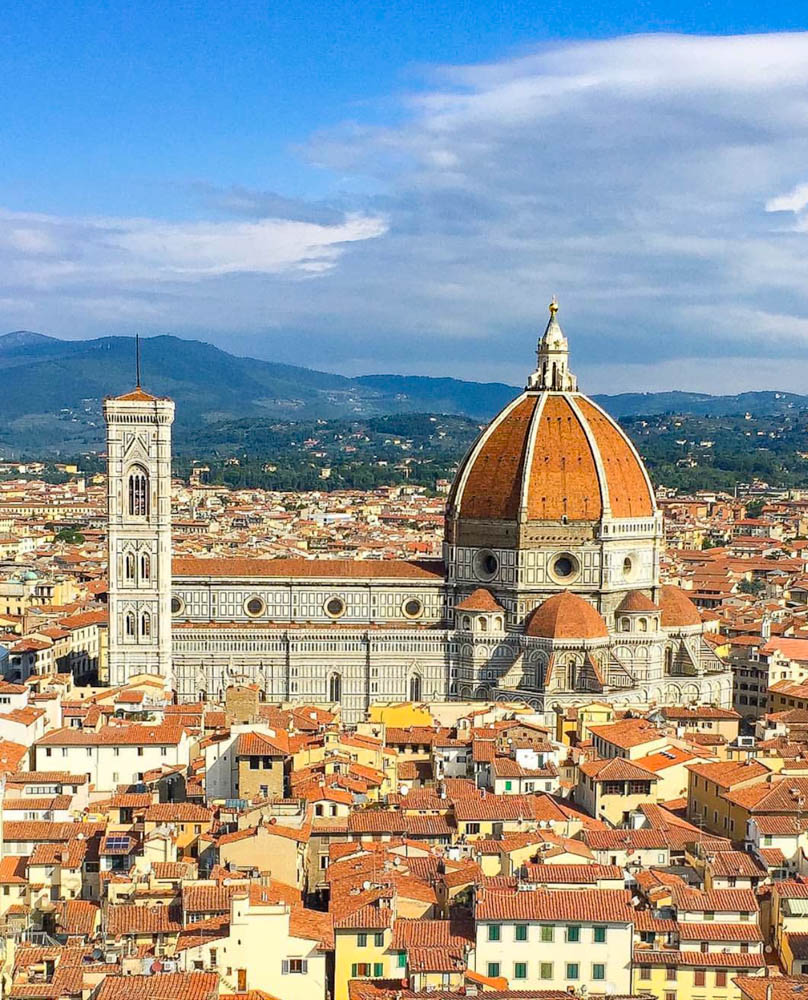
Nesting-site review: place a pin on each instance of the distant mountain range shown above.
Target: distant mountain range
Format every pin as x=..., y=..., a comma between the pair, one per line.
x=52, y=391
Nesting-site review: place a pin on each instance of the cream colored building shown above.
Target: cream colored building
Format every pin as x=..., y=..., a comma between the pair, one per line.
x=112, y=756
x=555, y=939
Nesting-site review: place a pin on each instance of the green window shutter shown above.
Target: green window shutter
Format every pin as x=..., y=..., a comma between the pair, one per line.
x=598, y=971
x=547, y=932
x=600, y=935
x=521, y=932
x=362, y=940
x=402, y=960
x=353, y=971
x=519, y=970
x=493, y=970
x=378, y=970
x=572, y=970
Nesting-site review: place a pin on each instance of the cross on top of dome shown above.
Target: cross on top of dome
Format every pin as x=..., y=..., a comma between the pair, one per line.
x=552, y=368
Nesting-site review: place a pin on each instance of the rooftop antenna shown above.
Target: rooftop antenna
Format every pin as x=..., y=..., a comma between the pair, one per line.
x=137, y=358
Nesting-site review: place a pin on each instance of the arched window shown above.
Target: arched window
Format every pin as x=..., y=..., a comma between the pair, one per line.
x=625, y=625
x=129, y=566
x=138, y=492
x=203, y=695
x=335, y=688
x=415, y=687
x=129, y=623
x=498, y=622
x=145, y=624
x=483, y=624
x=466, y=623
x=642, y=625
x=668, y=660
x=145, y=567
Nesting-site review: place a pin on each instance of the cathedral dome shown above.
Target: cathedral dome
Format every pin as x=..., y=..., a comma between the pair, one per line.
x=566, y=616
x=551, y=455
x=678, y=611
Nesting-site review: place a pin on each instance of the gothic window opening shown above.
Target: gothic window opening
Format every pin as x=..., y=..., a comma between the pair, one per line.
x=138, y=493
x=129, y=623
x=335, y=688
x=129, y=567
x=145, y=625
x=145, y=568
x=415, y=687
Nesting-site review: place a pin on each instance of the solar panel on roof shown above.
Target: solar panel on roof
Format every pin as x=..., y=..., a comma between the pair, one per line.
x=121, y=843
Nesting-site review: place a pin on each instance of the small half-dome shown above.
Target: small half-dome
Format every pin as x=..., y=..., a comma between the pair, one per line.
x=678, y=611
x=566, y=616
x=480, y=600
x=636, y=601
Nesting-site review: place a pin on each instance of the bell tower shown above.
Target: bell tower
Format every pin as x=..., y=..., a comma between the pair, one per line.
x=139, y=534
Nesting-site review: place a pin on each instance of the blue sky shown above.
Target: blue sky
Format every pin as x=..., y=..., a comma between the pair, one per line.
x=401, y=187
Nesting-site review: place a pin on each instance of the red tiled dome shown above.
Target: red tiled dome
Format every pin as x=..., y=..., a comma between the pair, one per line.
x=479, y=600
x=636, y=600
x=550, y=455
x=566, y=616
x=677, y=608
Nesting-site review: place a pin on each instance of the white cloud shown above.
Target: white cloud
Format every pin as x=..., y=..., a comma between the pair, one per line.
x=795, y=201
x=640, y=179
x=135, y=250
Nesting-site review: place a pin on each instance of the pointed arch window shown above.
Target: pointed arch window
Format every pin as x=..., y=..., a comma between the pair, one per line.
x=335, y=688
x=145, y=567
x=145, y=625
x=138, y=492
x=129, y=566
x=129, y=623
x=415, y=687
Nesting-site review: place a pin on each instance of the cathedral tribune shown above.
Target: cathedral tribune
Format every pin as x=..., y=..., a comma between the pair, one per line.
x=548, y=591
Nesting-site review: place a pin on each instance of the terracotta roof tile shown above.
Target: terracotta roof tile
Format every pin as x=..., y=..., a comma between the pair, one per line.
x=341, y=569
